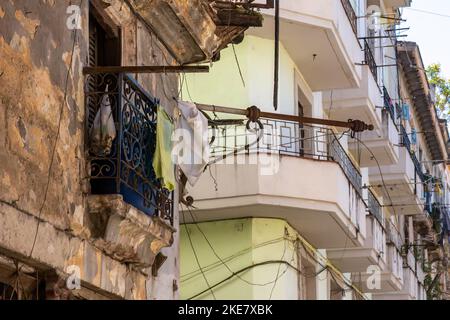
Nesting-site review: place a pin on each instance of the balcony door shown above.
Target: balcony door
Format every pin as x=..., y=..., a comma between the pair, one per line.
x=305, y=132
x=104, y=39
x=301, y=113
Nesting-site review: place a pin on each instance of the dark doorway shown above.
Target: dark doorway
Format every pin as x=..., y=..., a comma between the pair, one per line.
x=301, y=113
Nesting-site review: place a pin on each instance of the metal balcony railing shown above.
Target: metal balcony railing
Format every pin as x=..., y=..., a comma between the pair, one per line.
x=127, y=169
x=393, y=236
x=351, y=14
x=370, y=60
x=286, y=138
x=406, y=141
x=409, y=261
x=375, y=207
x=389, y=105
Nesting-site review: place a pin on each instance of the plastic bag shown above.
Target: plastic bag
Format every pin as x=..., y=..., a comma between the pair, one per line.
x=103, y=131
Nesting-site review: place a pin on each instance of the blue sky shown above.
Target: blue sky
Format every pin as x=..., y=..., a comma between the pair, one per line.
x=430, y=31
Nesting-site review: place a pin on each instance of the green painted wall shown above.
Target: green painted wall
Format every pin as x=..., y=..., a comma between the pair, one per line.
x=240, y=244
x=256, y=59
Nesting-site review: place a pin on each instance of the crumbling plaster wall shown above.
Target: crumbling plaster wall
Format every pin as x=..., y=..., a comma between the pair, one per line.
x=35, y=54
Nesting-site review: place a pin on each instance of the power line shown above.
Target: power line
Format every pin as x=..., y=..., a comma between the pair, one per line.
x=244, y=270
x=278, y=276
x=381, y=175
x=220, y=259
x=278, y=272
x=191, y=275
x=58, y=133
x=429, y=12
x=197, y=260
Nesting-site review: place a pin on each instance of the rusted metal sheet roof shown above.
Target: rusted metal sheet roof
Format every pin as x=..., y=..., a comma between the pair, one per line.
x=419, y=88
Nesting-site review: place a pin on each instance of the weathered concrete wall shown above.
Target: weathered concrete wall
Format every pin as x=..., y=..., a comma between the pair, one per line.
x=35, y=51
x=35, y=47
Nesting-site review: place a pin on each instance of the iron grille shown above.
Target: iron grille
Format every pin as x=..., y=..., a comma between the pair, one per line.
x=286, y=138
x=351, y=14
x=128, y=169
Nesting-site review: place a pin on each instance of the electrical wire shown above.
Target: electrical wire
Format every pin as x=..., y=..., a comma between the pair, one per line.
x=382, y=177
x=244, y=270
x=197, y=260
x=238, y=64
x=192, y=274
x=278, y=272
x=234, y=274
x=217, y=255
x=428, y=12
x=58, y=133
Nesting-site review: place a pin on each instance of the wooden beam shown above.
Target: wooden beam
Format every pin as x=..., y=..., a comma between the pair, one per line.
x=239, y=18
x=98, y=11
x=146, y=69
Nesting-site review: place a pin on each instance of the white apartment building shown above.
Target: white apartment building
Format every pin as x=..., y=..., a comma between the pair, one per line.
x=349, y=215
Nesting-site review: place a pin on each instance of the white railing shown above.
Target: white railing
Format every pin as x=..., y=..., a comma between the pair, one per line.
x=395, y=262
x=379, y=237
x=393, y=235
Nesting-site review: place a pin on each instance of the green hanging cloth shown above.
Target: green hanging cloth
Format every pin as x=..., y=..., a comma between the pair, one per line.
x=162, y=160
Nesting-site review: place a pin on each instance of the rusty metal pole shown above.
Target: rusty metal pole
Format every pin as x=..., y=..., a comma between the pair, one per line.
x=146, y=69
x=351, y=124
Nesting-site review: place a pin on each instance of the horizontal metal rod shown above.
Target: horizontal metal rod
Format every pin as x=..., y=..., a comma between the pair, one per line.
x=278, y=116
x=382, y=37
x=146, y=69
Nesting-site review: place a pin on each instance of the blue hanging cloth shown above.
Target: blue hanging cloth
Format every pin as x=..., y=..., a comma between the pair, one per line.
x=405, y=109
x=413, y=136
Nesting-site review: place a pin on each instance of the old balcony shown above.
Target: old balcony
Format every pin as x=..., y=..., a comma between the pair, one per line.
x=196, y=30
x=402, y=183
x=125, y=194
x=362, y=102
x=374, y=251
x=383, y=143
x=391, y=277
x=320, y=37
x=411, y=290
x=287, y=171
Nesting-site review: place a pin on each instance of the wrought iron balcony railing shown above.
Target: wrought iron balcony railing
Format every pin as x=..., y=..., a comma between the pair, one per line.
x=375, y=207
x=406, y=141
x=370, y=60
x=286, y=138
x=389, y=105
x=127, y=169
x=351, y=14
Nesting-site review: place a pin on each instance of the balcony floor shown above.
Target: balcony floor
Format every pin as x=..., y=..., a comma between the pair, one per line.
x=313, y=209
x=355, y=259
x=319, y=29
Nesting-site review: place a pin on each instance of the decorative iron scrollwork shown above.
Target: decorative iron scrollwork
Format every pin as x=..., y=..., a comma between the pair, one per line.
x=128, y=169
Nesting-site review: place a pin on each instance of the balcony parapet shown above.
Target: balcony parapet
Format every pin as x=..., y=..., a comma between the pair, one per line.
x=127, y=168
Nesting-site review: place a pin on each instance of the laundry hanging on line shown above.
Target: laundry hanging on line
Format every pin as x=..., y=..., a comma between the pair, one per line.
x=162, y=159
x=192, y=125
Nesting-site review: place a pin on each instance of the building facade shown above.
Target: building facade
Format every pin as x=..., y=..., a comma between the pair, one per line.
x=285, y=210
x=313, y=212
x=83, y=216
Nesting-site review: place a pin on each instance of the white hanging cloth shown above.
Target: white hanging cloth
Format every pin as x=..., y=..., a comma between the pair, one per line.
x=191, y=142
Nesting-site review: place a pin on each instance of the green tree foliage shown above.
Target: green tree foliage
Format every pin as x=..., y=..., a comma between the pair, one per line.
x=442, y=85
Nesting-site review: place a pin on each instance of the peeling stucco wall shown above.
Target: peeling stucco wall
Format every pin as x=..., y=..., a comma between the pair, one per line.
x=35, y=51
